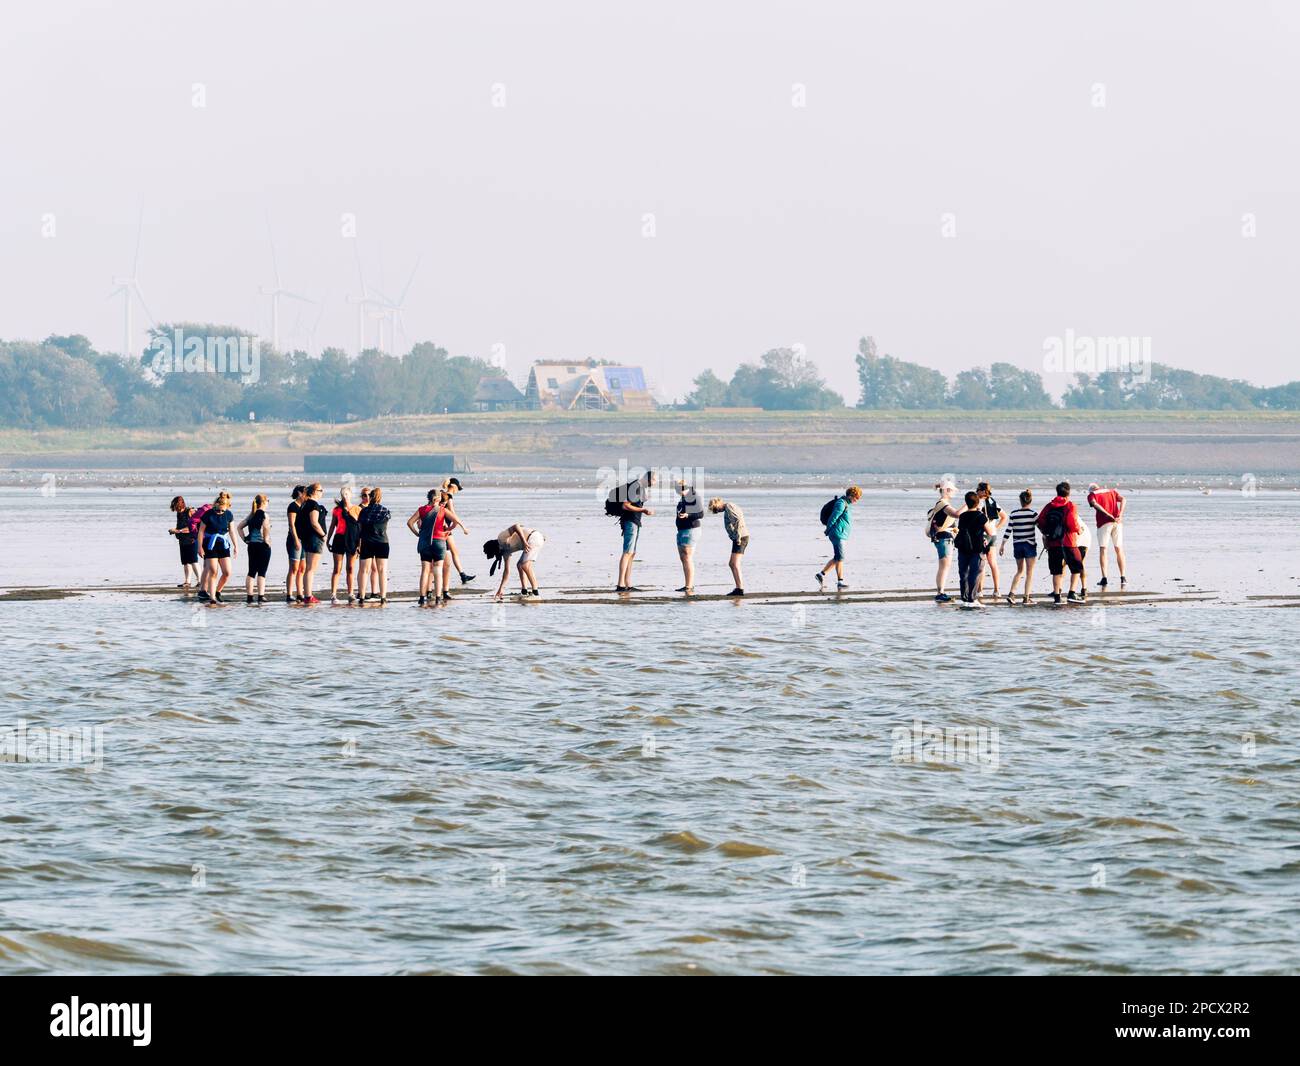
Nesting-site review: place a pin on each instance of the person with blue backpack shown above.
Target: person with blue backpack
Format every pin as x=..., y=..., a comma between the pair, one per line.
x=838, y=521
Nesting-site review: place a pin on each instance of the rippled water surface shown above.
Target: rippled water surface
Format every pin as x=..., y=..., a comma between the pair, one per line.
x=707, y=787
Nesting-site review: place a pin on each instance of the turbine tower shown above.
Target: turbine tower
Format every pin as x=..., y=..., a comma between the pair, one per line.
x=129, y=287
x=278, y=291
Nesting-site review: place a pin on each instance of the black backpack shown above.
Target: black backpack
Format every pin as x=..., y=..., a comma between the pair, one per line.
x=1054, y=524
x=614, y=502
x=826, y=510
x=938, y=518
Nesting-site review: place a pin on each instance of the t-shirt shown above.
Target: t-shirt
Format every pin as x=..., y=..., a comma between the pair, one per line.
x=1020, y=524
x=970, y=530
x=1110, y=500
x=186, y=535
x=689, y=511
x=217, y=522
x=508, y=540
x=991, y=509
x=636, y=497
x=941, y=516
x=305, y=512
x=256, y=521
x=373, y=521
x=292, y=513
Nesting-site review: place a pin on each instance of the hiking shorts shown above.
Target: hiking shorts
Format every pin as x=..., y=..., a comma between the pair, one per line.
x=1111, y=535
x=630, y=530
x=1059, y=558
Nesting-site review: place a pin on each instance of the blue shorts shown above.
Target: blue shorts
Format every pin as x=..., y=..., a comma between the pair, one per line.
x=837, y=546
x=1026, y=550
x=685, y=538
x=943, y=545
x=630, y=530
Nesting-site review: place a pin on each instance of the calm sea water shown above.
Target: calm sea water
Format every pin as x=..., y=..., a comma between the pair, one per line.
x=707, y=787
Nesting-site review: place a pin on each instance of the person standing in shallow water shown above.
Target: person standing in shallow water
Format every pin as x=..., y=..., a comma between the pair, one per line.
x=311, y=532
x=998, y=517
x=733, y=521
x=216, y=547
x=188, y=540
x=690, y=513
x=1109, y=506
x=973, y=530
x=255, y=531
x=941, y=525
x=839, y=523
x=1059, y=523
x=293, y=547
x=373, y=521
x=633, y=509
x=1023, y=529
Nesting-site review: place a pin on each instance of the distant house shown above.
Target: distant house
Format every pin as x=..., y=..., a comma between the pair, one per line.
x=587, y=386
x=496, y=393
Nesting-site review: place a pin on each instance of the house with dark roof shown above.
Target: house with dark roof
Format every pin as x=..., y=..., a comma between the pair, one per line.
x=497, y=393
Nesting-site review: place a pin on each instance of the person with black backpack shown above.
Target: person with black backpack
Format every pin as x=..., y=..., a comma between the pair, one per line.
x=973, y=530
x=1059, y=523
x=838, y=520
x=628, y=504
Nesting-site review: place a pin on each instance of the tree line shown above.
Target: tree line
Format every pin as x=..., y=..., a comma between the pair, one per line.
x=64, y=382
x=784, y=380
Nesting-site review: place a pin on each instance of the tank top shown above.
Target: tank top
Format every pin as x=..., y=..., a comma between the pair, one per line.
x=255, y=523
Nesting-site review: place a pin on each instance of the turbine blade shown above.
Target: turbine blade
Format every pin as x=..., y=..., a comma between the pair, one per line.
x=407, y=288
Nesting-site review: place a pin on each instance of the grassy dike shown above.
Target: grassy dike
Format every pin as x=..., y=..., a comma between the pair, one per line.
x=740, y=441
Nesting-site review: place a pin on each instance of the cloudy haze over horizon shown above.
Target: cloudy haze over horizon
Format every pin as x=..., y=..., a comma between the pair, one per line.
x=677, y=186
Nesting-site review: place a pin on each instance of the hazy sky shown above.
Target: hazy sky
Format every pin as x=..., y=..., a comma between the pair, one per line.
x=774, y=224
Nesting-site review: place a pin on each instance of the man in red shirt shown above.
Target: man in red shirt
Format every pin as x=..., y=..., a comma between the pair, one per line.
x=1060, y=526
x=1109, y=505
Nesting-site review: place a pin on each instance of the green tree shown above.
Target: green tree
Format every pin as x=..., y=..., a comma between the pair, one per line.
x=889, y=383
x=710, y=391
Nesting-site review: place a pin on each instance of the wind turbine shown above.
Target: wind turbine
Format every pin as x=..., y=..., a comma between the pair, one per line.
x=391, y=310
x=278, y=291
x=365, y=303
x=130, y=286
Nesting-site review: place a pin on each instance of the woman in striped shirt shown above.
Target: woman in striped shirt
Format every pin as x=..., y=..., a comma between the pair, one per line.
x=1021, y=529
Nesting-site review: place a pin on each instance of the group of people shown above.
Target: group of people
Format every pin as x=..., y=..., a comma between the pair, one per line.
x=628, y=503
x=356, y=535
x=973, y=530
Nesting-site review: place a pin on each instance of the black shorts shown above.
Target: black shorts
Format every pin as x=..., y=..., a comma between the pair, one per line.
x=313, y=545
x=259, y=558
x=372, y=550
x=217, y=551
x=738, y=546
x=347, y=544
x=1059, y=558
x=189, y=552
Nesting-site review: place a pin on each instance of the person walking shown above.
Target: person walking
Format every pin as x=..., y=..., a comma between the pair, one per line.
x=1023, y=533
x=838, y=520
